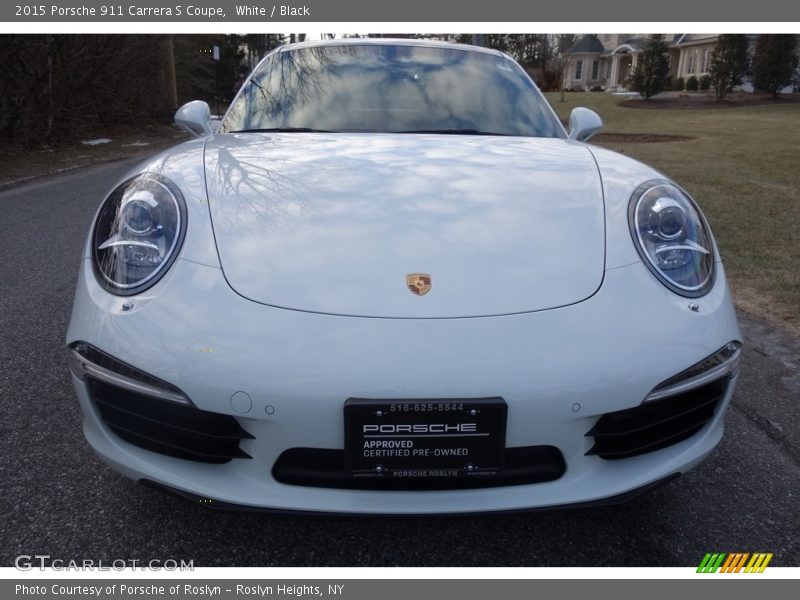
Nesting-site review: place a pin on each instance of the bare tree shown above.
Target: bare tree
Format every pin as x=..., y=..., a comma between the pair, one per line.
x=561, y=66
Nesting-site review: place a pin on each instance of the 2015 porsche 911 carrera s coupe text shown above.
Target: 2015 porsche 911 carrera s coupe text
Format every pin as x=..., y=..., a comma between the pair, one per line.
x=392, y=283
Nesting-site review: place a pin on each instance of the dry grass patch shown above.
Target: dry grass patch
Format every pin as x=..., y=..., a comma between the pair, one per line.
x=743, y=166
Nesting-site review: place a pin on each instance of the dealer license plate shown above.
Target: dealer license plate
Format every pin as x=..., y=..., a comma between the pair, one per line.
x=424, y=438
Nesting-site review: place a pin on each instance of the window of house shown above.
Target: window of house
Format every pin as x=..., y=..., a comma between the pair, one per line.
x=595, y=69
x=608, y=69
x=690, y=69
x=578, y=69
x=704, y=61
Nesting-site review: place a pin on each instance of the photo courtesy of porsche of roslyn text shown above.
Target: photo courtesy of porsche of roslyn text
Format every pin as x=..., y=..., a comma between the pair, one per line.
x=343, y=289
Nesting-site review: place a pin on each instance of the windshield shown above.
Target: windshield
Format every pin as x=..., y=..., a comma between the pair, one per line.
x=391, y=89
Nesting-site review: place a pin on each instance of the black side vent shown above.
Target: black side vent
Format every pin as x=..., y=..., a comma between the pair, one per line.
x=657, y=424
x=168, y=428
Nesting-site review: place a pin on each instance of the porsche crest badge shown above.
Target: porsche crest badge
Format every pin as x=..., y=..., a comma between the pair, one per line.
x=419, y=283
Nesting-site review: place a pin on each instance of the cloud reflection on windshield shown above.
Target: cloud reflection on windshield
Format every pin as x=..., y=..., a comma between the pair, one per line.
x=376, y=88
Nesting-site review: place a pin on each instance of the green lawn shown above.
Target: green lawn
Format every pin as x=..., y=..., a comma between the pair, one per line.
x=743, y=168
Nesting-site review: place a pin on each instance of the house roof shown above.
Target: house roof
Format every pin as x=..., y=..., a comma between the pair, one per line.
x=591, y=44
x=588, y=44
x=635, y=43
x=697, y=38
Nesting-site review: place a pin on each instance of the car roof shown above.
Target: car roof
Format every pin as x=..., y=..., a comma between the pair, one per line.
x=425, y=43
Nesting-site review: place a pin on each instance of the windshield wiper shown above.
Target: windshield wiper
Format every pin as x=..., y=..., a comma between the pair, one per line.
x=282, y=130
x=454, y=131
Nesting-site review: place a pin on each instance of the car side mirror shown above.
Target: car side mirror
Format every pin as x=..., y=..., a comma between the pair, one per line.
x=194, y=117
x=583, y=124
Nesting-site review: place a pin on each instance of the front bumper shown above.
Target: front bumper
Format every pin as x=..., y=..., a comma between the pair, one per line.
x=559, y=371
x=228, y=507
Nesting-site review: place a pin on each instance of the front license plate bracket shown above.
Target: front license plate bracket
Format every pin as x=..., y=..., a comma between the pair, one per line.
x=430, y=438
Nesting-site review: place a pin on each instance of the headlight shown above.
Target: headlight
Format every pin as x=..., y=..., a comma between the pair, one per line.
x=672, y=238
x=138, y=233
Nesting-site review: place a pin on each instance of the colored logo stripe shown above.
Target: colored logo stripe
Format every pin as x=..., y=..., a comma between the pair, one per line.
x=758, y=563
x=734, y=562
x=711, y=563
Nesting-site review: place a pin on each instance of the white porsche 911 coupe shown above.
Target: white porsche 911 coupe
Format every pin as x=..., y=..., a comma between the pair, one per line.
x=392, y=283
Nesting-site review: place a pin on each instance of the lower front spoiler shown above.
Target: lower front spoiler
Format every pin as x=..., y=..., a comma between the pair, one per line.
x=243, y=508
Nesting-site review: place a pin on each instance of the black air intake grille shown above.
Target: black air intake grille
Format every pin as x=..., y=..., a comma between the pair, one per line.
x=168, y=428
x=325, y=468
x=657, y=424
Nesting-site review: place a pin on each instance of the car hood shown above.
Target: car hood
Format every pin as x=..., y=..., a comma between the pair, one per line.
x=334, y=223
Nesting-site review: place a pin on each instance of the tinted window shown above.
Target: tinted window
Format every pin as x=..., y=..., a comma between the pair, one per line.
x=377, y=88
